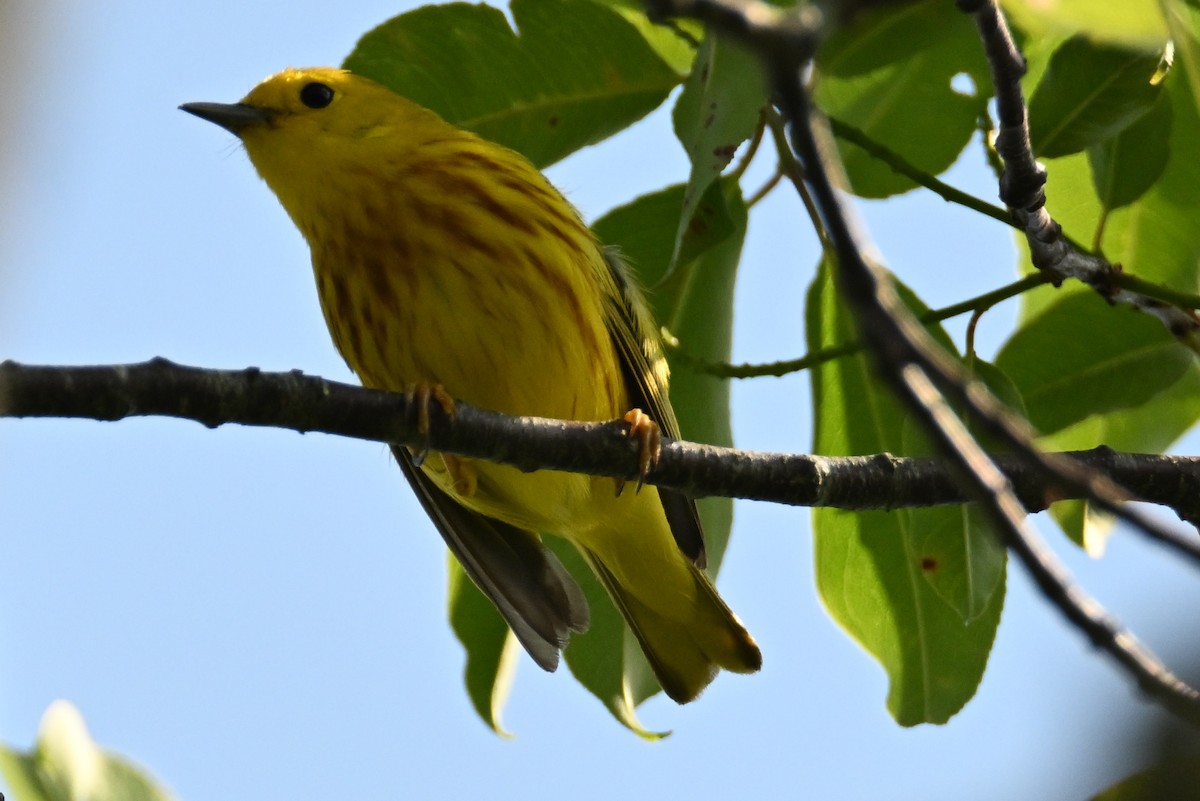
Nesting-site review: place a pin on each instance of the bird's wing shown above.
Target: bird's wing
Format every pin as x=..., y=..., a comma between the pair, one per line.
x=524, y=580
x=645, y=367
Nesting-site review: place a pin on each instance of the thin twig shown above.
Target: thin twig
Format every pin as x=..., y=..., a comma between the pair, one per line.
x=818, y=357
x=901, y=166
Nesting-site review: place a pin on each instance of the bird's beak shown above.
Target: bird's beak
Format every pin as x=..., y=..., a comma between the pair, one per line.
x=233, y=117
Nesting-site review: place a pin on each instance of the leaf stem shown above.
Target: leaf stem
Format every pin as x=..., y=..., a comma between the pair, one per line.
x=781, y=368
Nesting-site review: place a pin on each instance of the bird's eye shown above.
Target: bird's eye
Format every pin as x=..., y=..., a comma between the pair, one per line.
x=316, y=95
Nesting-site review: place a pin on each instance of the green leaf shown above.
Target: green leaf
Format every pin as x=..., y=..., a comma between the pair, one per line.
x=882, y=36
x=66, y=765
x=577, y=73
x=871, y=566
x=1183, y=21
x=958, y=552
x=874, y=77
x=1135, y=23
x=1125, y=166
x=1157, y=238
x=717, y=110
x=1081, y=357
x=1089, y=93
x=489, y=644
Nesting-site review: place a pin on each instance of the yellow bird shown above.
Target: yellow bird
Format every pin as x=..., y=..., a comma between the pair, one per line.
x=444, y=261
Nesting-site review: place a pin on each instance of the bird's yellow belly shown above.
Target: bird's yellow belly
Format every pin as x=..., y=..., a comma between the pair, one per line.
x=527, y=349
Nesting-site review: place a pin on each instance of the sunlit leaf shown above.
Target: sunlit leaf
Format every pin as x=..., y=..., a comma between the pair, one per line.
x=898, y=86
x=1134, y=23
x=67, y=765
x=576, y=73
x=1089, y=93
x=871, y=566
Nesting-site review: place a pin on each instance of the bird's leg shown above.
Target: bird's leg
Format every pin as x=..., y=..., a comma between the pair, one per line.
x=462, y=474
x=419, y=397
x=649, y=437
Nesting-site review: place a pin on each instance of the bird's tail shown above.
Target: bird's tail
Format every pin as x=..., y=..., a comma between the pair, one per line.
x=687, y=633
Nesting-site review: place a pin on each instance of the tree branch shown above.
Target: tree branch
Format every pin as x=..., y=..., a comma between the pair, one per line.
x=305, y=404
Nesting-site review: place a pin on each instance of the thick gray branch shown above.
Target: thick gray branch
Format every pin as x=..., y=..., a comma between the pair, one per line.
x=307, y=404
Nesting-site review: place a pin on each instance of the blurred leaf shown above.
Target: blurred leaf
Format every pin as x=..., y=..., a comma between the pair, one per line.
x=1081, y=357
x=890, y=77
x=871, y=566
x=1135, y=23
x=1089, y=93
x=1183, y=21
x=1156, y=238
x=66, y=765
x=577, y=73
x=1125, y=166
x=490, y=647
x=717, y=110
x=1175, y=780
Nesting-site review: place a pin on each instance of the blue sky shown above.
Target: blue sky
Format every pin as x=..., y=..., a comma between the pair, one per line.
x=259, y=614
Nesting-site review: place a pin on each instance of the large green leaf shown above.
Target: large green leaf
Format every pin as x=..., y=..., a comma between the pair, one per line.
x=1082, y=357
x=1154, y=237
x=890, y=77
x=66, y=765
x=1183, y=21
x=1125, y=166
x=1089, y=93
x=874, y=568
x=1135, y=23
x=959, y=554
x=716, y=111
x=1157, y=238
x=490, y=646
x=577, y=73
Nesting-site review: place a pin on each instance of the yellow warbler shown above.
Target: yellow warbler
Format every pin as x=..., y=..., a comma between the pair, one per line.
x=446, y=261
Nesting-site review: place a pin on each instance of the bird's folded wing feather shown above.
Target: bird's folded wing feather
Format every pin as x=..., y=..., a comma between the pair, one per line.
x=524, y=580
x=642, y=360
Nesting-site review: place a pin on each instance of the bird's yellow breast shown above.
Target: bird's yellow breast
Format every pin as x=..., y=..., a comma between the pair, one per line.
x=459, y=269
